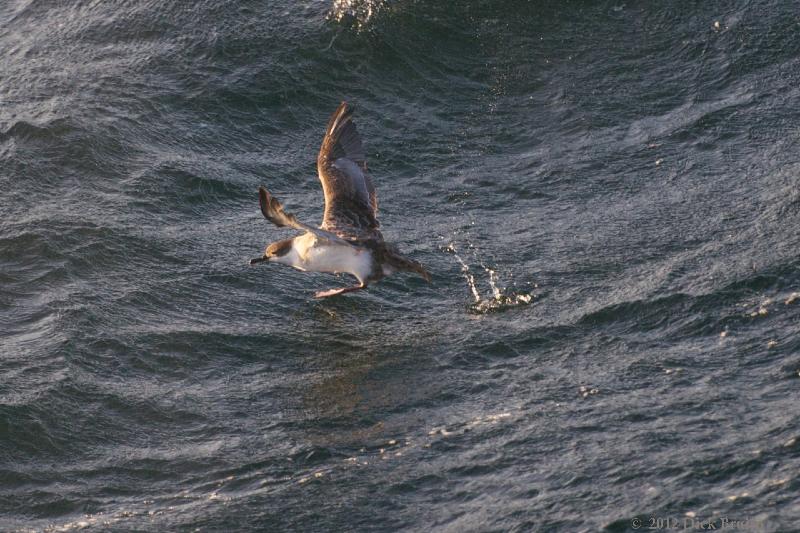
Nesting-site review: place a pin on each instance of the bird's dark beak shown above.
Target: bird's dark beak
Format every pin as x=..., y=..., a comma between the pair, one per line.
x=257, y=260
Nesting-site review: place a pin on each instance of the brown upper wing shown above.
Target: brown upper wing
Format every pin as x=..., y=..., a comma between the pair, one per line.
x=351, y=205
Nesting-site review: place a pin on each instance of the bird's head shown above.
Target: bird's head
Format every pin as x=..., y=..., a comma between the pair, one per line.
x=276, y=252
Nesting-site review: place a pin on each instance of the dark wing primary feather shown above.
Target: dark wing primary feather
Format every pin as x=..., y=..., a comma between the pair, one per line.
x=273, y=211
x=351, y=205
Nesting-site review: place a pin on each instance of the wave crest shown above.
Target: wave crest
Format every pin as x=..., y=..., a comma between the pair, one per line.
x=356, y=13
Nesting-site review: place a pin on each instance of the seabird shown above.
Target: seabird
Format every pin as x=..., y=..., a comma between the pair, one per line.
x=348, y=240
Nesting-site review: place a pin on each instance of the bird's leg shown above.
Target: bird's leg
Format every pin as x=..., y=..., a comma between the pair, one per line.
x=334, y=292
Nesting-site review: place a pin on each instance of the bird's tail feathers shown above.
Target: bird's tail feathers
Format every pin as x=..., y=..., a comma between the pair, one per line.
x=408, y=265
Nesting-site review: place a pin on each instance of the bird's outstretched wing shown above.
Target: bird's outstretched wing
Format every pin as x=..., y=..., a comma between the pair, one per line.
x=273, y=211
x=351, y=205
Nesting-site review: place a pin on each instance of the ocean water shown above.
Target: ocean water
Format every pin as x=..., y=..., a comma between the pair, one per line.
x=606, y=193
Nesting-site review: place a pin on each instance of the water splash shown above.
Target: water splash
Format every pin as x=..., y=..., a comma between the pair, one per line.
x=499, y=298
x=357, y=13
x=467, y=274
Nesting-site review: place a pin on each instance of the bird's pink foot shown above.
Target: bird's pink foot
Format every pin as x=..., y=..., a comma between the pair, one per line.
x=334, y=292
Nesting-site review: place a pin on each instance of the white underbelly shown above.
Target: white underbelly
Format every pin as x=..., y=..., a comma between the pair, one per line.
x=333, y=258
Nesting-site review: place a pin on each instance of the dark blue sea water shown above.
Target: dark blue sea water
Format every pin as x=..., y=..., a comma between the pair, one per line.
x=606, y=193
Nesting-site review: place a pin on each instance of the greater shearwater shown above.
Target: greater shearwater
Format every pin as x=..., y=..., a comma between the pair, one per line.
x=348, y=240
